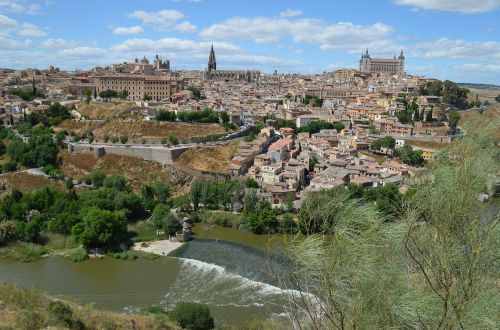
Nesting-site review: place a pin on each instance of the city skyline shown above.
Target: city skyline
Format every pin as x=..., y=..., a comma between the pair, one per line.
x=456, y=40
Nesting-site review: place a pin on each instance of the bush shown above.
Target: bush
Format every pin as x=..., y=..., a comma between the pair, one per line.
x=125, y=255
x=8, y=232
x=78, y=255
x=192, y=316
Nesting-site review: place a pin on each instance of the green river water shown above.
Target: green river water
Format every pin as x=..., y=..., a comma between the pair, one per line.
x=239, y=282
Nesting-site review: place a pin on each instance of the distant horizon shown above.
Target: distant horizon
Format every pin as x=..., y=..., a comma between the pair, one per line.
x=443, y=39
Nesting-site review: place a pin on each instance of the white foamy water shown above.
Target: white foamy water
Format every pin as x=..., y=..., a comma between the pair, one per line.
x=212, y=284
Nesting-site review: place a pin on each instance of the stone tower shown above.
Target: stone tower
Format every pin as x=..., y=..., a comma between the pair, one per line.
x=212, y=63
x=401, y=59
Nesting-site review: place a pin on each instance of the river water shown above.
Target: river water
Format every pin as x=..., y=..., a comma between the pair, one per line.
x=238, y=282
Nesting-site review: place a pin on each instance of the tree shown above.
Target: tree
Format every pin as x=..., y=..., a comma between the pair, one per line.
x=161, y=191
x=123, y=139
x=97, y=178
x=117, y=182
x=453, y=118
x=100, y=228
x=224, y=117
x=183, y=202
x=497, y=98
x=146, y=97
x=250, y=200
x=123, y=94
x=160, y=212
x=192, y=316
x=387, y=142
x=87, y=93
x=410, y=156
x=108, y=94
x=251, y=183
x=263, y=220
x=164, y=115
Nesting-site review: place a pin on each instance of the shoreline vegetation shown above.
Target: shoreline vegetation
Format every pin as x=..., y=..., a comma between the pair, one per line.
x=30, y=309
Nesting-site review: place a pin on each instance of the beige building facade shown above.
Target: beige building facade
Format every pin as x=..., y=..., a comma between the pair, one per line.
x=158, y=88
x=383, y=65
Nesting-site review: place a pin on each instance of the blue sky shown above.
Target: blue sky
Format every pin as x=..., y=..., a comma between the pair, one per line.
x=447, y=39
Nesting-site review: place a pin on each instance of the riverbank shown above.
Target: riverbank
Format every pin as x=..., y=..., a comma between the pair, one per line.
x=29, y=309
x=160, y=247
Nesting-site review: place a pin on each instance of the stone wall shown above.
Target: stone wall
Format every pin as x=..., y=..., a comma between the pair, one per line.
x=162, y=155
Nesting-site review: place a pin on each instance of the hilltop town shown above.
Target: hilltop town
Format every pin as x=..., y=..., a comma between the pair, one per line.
x=291, y=133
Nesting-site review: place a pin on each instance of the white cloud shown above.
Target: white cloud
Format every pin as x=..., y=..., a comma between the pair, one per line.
x=7, y=43
x=19, y=7
x=459, y=49
x=58, y=43
x=137, y=29
x=343, y=35
x=185, y=27
x=82, y=51
x=31, y=30
x=291, y=13
x=460, y=6
x=6, y=25
x=162, y=20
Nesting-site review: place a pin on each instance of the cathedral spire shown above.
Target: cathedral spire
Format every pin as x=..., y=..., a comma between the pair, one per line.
x=212, y=63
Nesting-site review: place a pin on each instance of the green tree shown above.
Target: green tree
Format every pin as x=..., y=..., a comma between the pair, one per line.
x=123, y=139
x=263, y=220
x=97, y=178
x=251, y=183
x=87, y=93
x=108, y=94
x=160, y=213
x=146, y=97
x=453, y=118
x=123, y=94
x=100, y=228
x=410, y=156
x=497, y=98
x=192, y=316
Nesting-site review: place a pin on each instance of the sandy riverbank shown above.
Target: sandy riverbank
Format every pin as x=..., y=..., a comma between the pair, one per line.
x=162, y=247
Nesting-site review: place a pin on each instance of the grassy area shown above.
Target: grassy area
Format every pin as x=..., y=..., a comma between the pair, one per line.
x=108, y=110
x=21, y=251
x=77, y=126
x=214, y=159
x=138, y=130
x=137, y=171
x=29, y=309
x=145, y=231
x=476, y=121
x=26, y=182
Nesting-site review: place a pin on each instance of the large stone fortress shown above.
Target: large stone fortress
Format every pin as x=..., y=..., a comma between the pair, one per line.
x=384, y=65
x=228, y=75
x=139, y=78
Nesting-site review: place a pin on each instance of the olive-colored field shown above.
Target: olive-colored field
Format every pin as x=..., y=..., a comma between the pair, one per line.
x=213, y=159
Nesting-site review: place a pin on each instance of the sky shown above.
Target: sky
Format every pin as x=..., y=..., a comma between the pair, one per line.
x=446, y=39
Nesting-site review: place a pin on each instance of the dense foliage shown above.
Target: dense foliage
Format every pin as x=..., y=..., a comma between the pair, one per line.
x=192, y=316
x=27, y=94
x=410, y=156
x=387, y=142
x=451, y=93
x=312, y=127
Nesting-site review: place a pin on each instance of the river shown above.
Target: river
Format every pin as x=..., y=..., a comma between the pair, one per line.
x=240, y=283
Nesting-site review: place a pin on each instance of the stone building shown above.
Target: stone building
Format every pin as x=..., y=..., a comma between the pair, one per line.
x=384, y=65
x=158, y=88
x=228, y=75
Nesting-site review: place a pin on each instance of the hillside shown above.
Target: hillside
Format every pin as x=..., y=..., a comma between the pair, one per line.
x=213, y=159
x=30, y=309
x=135, y=170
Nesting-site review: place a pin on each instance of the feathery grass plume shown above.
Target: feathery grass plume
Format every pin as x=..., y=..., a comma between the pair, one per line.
x=452, y=237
